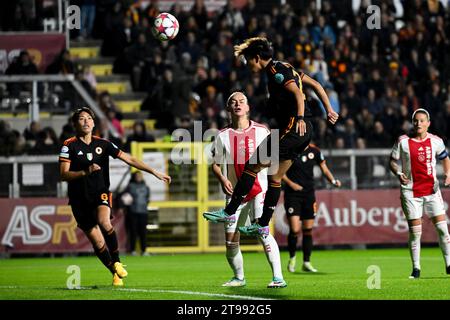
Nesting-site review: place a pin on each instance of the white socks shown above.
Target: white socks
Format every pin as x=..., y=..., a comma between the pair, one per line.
x=415, y=232
x=444, y=240
x=273, y=254
x=235, y=259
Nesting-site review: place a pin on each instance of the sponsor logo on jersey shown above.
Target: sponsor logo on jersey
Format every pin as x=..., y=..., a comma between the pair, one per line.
x=80, y=153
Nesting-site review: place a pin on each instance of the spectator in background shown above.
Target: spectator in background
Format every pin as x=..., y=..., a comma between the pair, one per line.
x=198, y=11
x=112, y=117
x=117, y=39
x=350, y=134
x=47, y=142
x=106, y=103
x=137, y=212
x=379, y=138
x=364, y=122
x=353, y=101
x=136, y=56
x=317, y=67
x=21, y=65
x=31, y=134
x=321, y=31
x=62, y=64
x=87, y=18
x=409, y=99
x=89, y=76
x=11, y=141
x=139, y=134
x=434, y=100
x=80, y=75
x=372, y=103
x=68, y=131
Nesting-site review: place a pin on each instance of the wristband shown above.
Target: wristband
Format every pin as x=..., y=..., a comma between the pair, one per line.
x=299, y=118
x=399, y=173
x=333, y=182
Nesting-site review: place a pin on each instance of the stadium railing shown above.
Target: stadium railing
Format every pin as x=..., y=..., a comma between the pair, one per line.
x=49, y=93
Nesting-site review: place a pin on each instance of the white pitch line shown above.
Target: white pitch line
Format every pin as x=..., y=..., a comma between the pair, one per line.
x=220, y=295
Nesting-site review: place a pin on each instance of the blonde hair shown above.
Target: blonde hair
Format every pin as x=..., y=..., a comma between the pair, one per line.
x=235, y=93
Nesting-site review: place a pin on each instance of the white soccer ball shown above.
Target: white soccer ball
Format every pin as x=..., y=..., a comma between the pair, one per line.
x=127, y=199
x=165, y=27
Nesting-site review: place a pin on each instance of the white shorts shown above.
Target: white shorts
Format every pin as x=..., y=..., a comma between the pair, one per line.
x=247, y=213
x=414, y=207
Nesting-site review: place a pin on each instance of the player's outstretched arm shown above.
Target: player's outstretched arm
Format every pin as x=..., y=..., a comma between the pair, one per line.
x=326, y=171
x=320, y=91
x=138, y=164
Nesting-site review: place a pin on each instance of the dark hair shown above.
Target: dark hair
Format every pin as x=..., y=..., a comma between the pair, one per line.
x=252, y=47
x=76, y=114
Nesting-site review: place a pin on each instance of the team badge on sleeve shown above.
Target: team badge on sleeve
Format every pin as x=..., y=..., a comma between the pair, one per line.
x=64, y=152
x=279, y=78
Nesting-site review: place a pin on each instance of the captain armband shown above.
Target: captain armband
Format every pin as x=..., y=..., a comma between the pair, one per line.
x=443, y=155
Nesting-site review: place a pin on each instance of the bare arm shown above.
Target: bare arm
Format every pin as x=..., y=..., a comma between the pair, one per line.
x=227, y=186
x=298, y=94
x=395, y=170
x=446, y=165
x=138, y=164
x=326, y=171
x=320, y=91
x=292, y=184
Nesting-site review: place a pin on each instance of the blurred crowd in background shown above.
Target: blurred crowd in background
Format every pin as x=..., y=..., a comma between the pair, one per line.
x=375, y=78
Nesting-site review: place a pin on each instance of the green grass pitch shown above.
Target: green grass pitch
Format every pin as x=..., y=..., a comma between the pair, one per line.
x=343, y=274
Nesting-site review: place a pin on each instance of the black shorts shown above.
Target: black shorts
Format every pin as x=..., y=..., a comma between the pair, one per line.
x=85, y=212
x=303, y=205
x=290, y=145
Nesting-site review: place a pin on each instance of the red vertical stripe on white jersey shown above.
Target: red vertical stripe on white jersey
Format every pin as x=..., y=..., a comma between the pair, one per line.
x=421, y=154
x=243, y=145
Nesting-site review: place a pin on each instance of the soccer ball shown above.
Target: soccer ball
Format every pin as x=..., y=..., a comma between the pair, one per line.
x=165, y=27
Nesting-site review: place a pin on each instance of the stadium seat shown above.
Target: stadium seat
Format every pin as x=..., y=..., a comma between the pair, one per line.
x=84, y=52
